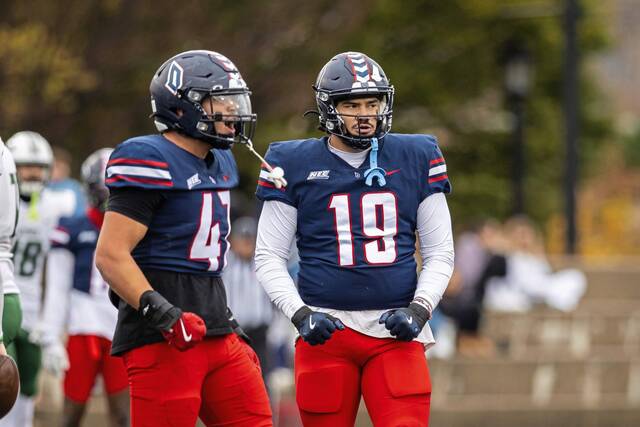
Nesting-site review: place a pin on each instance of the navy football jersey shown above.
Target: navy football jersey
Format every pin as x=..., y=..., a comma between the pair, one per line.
x=89, y=309
x=356, y=242
x=79, y=235
x=188, y=232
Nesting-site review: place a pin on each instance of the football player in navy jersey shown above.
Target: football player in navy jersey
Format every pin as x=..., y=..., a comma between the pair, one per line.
x=76, y=303
x=163, y=247
x=355, y=204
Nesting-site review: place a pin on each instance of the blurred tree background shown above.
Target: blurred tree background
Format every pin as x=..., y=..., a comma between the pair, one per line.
x=78, y=73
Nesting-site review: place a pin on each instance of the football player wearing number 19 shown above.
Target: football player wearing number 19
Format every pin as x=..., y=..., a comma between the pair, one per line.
x=355, y=205
x=163, y=247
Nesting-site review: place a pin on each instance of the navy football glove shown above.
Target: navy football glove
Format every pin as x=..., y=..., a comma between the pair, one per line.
x=405, y=323
x=315, y=327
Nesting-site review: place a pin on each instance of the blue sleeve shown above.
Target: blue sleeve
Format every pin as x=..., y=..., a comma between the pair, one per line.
x=266, y=190
x=436, y=179
x=138, y=164
x=63, y=236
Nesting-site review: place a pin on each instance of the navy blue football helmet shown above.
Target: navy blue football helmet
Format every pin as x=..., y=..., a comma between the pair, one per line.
x=351, y=75
x=185, y=82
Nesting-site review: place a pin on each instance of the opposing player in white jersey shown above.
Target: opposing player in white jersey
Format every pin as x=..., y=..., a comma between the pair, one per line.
x=39, y=212
x=78, y=303
x=9, y=301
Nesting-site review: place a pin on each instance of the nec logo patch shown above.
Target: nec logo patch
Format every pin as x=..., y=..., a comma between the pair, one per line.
x=193, y=181
x=87, y=237
x=318, y=175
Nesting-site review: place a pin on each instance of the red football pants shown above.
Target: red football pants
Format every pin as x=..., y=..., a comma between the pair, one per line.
x=391, y=375
x=89, y=355
x=219, y=380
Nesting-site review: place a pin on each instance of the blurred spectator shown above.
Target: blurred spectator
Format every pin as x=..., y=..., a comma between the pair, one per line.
x=530, y=279
x=61, y=179
x=246, y=298
x=478, y=259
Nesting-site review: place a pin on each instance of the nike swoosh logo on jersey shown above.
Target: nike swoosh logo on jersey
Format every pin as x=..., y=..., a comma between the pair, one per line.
x=393, y=171
x=187, y=337
x=311, y=323
x=410, y=319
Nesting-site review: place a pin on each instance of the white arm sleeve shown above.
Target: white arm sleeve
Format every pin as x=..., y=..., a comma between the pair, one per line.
x=60, y=266
x=276, y=231
x=436, y=249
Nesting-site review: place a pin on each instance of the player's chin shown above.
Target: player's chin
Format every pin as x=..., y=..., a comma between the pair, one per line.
x=367, y=132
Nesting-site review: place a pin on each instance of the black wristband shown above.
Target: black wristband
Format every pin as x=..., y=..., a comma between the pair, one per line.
x=421, y=313
x=299, y=315
x=157, y=311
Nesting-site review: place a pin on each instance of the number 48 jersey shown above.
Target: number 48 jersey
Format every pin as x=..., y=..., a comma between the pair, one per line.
x=356, y=242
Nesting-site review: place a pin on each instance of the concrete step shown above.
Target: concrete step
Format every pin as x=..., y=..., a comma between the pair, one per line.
x=531, y=417
x=539, y=382
x=615, y=282
x=577, y=334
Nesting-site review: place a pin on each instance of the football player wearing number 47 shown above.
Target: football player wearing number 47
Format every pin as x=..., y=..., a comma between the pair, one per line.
x=163, y=247
x=355, y=205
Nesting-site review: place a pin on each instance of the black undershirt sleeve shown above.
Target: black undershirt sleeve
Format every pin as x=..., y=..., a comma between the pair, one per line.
x=135, y=203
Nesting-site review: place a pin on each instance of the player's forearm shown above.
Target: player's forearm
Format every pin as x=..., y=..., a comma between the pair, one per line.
x=120, y=271
x=59, y=281
x=274, y=277
x=276, y=230
x=436, y=249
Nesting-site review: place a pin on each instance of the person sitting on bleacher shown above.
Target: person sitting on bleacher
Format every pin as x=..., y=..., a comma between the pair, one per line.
x=530, y=279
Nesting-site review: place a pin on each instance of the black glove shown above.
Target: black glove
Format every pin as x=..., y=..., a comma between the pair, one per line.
x=405, y=323
x=181, y=330
x=237, y=329
x=315, y=327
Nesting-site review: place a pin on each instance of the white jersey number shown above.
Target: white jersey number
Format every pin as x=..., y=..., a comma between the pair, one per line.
x=379, y=213
x=207, y=243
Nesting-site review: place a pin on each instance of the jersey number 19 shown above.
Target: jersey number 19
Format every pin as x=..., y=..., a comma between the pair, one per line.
x=379, y=213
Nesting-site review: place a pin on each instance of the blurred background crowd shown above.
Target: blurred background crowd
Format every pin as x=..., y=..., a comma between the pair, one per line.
x=536, y=105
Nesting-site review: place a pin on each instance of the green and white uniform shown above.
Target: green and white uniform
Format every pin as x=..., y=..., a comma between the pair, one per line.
x=9, y=311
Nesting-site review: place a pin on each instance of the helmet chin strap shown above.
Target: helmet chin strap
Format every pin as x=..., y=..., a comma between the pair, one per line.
x=374, y=171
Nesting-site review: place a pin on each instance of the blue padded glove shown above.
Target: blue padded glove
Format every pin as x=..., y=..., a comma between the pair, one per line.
x=315, y=327
x=405, y=323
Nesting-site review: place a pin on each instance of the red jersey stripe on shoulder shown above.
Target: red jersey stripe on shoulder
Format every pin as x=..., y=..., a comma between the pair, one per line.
x=438, y=160
x=265, y=184
x=162, y=182
x=438, y=178
x=138, y=162
x=269, y=185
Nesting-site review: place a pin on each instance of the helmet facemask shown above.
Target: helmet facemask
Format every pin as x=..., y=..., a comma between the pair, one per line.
x=333, y=122
x=226, y=118
x=30, y=185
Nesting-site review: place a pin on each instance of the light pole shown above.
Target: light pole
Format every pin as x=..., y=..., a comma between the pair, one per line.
x=571, y=117
x=517, y=81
